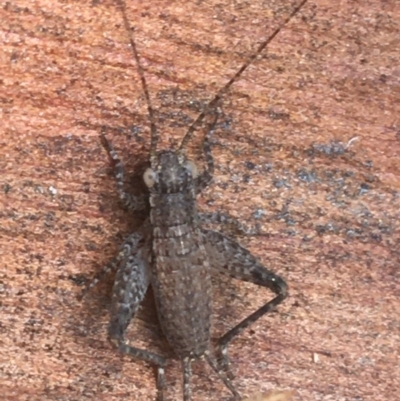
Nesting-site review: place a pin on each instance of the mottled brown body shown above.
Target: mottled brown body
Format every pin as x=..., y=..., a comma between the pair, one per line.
x=180, y=272
x=174, y=254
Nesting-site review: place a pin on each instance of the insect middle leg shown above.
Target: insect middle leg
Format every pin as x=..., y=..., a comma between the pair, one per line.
x=228, y=257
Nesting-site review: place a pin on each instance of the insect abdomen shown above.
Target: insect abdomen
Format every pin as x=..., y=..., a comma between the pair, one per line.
x=181, y=283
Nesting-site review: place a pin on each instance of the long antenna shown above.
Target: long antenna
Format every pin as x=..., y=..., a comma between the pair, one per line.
x=225, y=88
x=153, y=128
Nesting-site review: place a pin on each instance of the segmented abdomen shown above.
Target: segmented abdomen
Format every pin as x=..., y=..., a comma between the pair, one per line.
x=181, y=282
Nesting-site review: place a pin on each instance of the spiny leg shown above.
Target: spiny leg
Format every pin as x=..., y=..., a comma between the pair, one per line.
x=225, y=379
x=187, y=374
x=130, y=286
x=132, y=202
x=228, y=257
x=204, y=179
x=147, y=356
x=160, y=382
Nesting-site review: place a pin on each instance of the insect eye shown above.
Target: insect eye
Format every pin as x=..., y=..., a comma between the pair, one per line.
x=149, y=178
x=192, y=168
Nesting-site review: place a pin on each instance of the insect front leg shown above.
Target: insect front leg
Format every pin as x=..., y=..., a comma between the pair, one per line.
x=132, y=202
x=130, y=286
x=228, y=257
x=204, y=179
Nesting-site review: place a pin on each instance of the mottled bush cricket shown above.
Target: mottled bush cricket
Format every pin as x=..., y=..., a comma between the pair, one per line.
x=175, y=255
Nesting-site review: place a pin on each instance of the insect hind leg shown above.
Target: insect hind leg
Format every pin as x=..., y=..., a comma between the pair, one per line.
x=147, y=356
x=222, y=375
x=130, y=286
x=129, y=246
x=187, y=374
x=232, y=259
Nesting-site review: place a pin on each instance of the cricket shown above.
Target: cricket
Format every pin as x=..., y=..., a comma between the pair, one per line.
x=174, y=254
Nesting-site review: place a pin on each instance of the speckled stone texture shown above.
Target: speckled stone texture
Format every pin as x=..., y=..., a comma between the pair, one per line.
x=309, y=149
